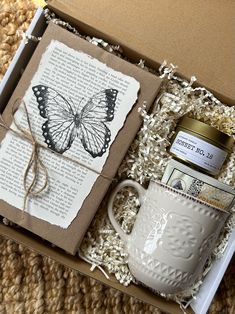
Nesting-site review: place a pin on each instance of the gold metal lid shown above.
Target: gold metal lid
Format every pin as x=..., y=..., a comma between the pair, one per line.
x=205, y=130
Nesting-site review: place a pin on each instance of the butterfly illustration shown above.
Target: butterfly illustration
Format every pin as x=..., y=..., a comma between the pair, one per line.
x=64, y=123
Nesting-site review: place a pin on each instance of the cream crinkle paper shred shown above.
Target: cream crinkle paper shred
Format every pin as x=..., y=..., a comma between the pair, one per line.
x=147, y=158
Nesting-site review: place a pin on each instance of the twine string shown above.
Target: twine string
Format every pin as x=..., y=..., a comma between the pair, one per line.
x=35, y=163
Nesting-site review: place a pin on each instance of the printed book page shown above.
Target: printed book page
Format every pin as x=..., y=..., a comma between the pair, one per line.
x=76, y=106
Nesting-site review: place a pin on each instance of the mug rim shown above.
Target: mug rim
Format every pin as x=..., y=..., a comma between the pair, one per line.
x=189, y=197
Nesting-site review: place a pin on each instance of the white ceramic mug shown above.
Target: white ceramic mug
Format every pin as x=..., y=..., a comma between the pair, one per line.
x=172, y=237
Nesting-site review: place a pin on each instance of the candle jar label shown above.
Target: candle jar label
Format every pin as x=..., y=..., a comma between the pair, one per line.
x=198, y=152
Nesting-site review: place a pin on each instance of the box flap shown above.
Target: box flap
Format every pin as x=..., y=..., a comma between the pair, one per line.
x=198, y=36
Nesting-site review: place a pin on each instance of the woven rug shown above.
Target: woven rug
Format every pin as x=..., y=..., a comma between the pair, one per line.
x=31, y=283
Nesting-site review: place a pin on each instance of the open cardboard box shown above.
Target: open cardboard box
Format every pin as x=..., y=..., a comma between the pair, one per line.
x=192, y=35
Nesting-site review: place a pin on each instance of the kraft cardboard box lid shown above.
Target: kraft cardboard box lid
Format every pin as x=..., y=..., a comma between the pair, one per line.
x=197, y=36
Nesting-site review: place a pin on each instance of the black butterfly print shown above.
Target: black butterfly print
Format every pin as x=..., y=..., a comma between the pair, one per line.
x=64, y=123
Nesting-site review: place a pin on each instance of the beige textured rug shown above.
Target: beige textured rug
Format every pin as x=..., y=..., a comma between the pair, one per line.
x=30, y=283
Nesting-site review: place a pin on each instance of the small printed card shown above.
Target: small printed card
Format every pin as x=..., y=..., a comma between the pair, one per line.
x=78, y=99
x=199, y=185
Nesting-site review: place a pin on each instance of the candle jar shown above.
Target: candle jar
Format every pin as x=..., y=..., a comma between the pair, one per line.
x=201, y=146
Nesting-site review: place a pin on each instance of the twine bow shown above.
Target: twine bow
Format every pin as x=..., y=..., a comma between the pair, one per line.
x=35, y=163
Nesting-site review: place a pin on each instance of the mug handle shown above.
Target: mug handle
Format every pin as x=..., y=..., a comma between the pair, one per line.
x=125, y=183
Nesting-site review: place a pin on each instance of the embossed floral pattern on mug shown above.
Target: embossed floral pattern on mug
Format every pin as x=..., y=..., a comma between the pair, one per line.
x=179, y=236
